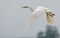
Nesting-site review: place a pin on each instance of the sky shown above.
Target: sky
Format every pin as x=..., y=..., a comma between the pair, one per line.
x=14, y=19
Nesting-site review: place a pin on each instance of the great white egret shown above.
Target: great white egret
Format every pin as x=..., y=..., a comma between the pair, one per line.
x=36, y=14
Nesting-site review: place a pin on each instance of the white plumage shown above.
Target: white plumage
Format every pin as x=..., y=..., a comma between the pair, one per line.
x=36, y=14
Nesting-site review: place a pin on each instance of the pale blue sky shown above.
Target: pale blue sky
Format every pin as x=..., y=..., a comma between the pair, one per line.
x=13, y=18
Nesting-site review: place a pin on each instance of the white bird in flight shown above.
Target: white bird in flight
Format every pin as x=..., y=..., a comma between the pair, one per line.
x=36, y=14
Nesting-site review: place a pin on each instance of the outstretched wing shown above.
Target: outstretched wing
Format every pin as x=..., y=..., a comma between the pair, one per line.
x=34, y=16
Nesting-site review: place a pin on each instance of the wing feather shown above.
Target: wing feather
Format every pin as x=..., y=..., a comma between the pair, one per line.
x=32, y=19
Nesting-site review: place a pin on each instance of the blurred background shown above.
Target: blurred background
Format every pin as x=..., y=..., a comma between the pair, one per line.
x=14, y=19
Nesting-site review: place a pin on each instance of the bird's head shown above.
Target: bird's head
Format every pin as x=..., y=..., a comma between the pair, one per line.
x=29, y=7
x=26, y=7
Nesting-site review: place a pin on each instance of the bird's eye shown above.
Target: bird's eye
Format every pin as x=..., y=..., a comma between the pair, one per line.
x=53, y=14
